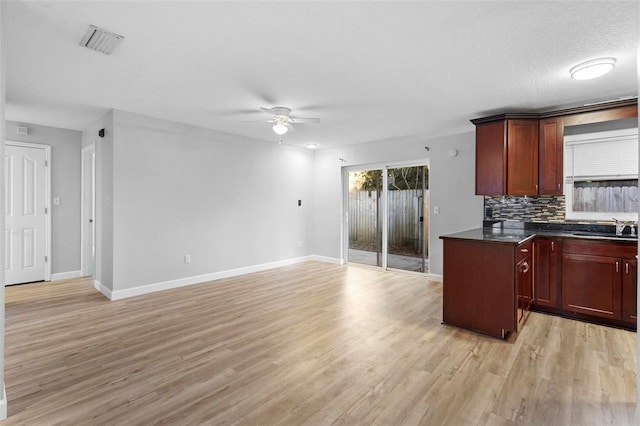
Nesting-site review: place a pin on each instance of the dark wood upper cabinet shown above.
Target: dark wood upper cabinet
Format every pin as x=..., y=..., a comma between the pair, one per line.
x=507, y=157
x=522, y=157
x=551, y=155
x=522, y=153
x=491, y=158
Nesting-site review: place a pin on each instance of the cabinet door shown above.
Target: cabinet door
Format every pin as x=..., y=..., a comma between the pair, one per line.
x=630, y=290
x=551, y=154
x=545, y=272
x=592, y=285
x=522, y=157
x=524, y=282
x=491, y=158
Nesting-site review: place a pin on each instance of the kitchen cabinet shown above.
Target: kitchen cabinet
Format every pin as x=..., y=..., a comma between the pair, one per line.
x=550, y=157
x=522, y=153
x=524, y=282
x=507, y=157
x=592, y=277
x=487, y=285
x=630, y=290
x=546, y=271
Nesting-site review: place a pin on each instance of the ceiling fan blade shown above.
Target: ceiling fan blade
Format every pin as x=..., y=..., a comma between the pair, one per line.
x=267, y=110
x=290, y=125
x=300, y=120
x=260, y=121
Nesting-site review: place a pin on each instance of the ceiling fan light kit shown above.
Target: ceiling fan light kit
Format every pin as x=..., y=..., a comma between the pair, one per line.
x=280, y=128
x=592, y=69
x=283, y=119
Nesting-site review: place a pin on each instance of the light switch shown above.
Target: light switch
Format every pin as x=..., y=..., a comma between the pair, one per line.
x=436, y=210
x=56, y=201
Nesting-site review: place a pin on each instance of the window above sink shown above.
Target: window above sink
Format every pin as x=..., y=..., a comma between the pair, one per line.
x=601, y=174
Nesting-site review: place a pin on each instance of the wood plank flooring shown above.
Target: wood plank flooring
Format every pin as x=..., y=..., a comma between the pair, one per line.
x=311, y=344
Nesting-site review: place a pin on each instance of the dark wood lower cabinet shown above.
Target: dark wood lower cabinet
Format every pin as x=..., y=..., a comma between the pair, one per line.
x=592, y=285
x=479, y=289
x=546, y=272
x=524, y=282
x=491, y=286
x=599, y=279
x=630, y=290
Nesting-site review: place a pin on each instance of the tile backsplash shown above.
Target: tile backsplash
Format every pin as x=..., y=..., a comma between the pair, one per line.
x=542, y=208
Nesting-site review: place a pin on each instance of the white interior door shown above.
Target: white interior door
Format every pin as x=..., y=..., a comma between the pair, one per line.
x=88, y=229
x=25, y=214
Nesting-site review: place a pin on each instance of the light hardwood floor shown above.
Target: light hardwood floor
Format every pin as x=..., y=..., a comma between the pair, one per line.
x=307, y=344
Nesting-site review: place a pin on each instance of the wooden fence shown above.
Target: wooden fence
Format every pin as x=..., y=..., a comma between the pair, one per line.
x=606, y=199
x=406, y=207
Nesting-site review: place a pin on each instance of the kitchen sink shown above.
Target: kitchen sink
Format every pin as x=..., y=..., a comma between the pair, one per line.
x=604, y=235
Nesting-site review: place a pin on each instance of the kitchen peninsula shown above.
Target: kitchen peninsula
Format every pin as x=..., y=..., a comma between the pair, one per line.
x=494, y=275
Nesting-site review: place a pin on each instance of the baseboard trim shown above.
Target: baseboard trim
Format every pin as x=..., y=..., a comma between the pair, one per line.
x=326, y=259
x=66, y=275
x=434, y=277
x=3, y=403
x=198, y=279
x=102, y=289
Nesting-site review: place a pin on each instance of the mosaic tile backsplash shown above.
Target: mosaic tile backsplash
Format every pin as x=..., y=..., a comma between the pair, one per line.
x=542, y=208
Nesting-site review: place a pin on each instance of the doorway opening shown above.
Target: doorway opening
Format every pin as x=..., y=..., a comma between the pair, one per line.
x=387, y=215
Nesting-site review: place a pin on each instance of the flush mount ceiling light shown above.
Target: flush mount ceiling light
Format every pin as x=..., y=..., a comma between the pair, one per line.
x=312, y=145
x=592, y=69
x=100, y=40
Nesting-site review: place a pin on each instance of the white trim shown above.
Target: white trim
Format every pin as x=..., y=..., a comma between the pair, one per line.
x=326, y=259
x=47, y=200
x=65, y=275
x=198, y=279
x=3, y=403
x=102, y=289
x=434, y=277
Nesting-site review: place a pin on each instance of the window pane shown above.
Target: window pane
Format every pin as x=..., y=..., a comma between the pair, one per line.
x=606, y=196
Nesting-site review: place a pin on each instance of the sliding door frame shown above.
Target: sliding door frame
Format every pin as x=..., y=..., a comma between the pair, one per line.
x=383, y=204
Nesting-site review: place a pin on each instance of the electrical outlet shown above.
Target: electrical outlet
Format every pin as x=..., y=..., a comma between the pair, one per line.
x=187, y=258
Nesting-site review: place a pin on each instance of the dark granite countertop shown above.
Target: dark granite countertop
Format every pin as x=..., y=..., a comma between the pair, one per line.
x=518, y=232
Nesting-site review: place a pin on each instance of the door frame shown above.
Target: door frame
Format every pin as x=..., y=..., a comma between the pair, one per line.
x=344, y=246
x=85, y=265
x=47, y=199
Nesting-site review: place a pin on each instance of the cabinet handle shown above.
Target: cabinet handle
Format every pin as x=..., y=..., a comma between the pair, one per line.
x=617, y=267
x=558, y=186
x=553, y=246
x=626, y=268
x=524, y=250
x=525, y=267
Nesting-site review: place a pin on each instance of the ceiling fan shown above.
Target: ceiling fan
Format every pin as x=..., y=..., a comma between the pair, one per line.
x=283, y=119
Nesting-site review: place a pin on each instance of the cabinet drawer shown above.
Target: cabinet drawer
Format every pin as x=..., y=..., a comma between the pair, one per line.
x=523, y=250
x=600, y=248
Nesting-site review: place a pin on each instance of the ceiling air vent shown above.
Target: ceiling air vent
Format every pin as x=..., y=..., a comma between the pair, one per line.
x=101, y=40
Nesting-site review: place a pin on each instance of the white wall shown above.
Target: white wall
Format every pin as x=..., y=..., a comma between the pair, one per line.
x=65, y=184
x=227, y=201
x=451, y=187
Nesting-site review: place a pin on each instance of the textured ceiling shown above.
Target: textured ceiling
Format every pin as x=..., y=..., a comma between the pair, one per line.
x=370, y=70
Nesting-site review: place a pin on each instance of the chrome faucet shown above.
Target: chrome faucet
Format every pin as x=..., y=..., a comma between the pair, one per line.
x=620, y=225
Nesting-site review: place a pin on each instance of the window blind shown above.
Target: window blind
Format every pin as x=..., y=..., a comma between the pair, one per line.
x=602, y=156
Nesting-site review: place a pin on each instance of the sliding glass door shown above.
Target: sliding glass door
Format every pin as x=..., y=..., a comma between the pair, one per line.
x=407, y=212
x=387, y=213
x=364, y=212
